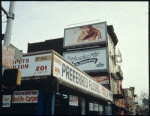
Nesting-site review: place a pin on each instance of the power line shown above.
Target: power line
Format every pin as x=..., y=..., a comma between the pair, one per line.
x=83, y=22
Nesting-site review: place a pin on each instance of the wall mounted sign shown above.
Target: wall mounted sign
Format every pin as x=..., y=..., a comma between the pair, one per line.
x=89, y=60
x=29, y=96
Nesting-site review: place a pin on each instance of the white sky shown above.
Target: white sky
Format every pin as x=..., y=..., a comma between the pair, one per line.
x=40, y=21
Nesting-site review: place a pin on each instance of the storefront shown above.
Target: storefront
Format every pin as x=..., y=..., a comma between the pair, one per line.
x=52, y=86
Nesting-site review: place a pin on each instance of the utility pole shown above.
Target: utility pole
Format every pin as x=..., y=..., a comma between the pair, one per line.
x=7, y=36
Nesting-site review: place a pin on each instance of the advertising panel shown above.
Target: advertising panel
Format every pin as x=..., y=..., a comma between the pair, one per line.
x=35, y=65
x=95, y=33
x=101, y=79
x=66, y=72
x=91, y=107
x=30, y=96
x=8, y=54
x=73, y=100
x=6, y=100
x=89, y=60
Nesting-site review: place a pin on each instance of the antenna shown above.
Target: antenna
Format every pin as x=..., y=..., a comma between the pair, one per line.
x=83, y=22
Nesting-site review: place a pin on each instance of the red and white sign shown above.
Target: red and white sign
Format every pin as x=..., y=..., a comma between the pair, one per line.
x=30, y=96
x=6, y=100
x=101, y=79
x=35, y=65
x=7, y=56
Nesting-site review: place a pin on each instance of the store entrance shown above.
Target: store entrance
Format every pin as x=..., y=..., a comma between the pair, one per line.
x=23, y=109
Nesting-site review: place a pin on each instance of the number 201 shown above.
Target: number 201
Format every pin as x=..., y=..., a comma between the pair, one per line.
x=41, y=68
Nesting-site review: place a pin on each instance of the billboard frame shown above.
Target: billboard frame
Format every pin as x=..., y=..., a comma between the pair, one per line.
x=86, y=44
x=107, y=59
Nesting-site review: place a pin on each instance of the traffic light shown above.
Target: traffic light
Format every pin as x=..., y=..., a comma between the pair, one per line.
x=11, y=77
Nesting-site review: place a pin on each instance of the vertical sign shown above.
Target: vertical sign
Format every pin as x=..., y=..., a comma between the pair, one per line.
x=7, y=56
x=6, y=100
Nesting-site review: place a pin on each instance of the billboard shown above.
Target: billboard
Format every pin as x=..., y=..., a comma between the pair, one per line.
x=89, y=60
x=70, y=74
x=94, y=33
x=30, y=96
x=7, y=56
x=101, y=79
x=34, y=65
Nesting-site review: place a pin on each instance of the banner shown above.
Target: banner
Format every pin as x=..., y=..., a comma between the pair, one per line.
x=89, y=60
x=30, y=96
x=73, y=100
x=94, y=33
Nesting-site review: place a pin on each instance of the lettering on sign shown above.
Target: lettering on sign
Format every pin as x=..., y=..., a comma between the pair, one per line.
x=43, y=58
x=21, y=65
x=25, y=96
x=84, y=59
x=40, y=69
x=72, y=75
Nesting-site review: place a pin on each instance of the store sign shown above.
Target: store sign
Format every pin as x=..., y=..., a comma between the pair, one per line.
x=70, y=74
x=30, y=96
x=101, y=79
x=6, y=100
x=35, y=65
x=8, y=54
x=95, y=33
x=89, y=60
x=95, y=107
x=73, y=100
x=91, y=107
